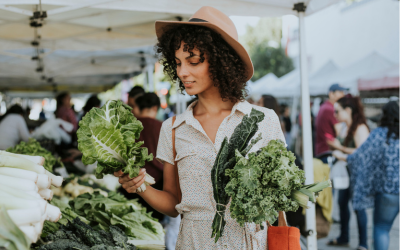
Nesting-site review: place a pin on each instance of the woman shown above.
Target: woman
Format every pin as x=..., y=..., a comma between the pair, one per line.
x=13, y=128
x=375, y=166
x=207, y=60
x=92, y=102
x=64, y=110
x=349, y=110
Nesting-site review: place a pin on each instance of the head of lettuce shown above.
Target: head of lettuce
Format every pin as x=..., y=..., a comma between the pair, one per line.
x=108, y=135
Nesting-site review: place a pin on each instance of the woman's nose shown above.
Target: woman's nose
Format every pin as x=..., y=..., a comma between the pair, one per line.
x=182, y=71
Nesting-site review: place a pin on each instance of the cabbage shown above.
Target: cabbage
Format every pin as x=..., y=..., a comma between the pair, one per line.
x=108, y=135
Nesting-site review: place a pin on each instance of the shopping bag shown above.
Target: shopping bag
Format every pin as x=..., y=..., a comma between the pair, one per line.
x=283, y=237
x=340, y=175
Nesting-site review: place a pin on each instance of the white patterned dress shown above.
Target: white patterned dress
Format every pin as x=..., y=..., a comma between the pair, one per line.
x=195, y=156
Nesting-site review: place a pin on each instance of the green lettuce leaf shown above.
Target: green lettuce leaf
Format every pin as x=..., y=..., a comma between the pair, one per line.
x=108, y=135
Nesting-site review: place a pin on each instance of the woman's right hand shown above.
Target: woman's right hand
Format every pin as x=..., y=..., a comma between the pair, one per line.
x=131, y=184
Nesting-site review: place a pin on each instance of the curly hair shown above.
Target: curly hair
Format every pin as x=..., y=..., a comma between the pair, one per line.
x=227, y=70
x=357, y=115
x=390, y=119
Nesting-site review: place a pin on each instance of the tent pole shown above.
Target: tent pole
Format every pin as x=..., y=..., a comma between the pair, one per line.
x=307, y=134
x=150, y=81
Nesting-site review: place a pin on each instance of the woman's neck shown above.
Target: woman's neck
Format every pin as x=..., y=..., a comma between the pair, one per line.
x=349, y=122
x=212, y=103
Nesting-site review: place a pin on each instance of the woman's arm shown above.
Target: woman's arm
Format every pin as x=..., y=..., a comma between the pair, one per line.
x=336, y=145
x=366, y=148
x=164, y=201
x=361, y=135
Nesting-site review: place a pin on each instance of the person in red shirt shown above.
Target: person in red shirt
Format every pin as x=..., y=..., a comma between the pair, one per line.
x=327, y=127
x=146, y=108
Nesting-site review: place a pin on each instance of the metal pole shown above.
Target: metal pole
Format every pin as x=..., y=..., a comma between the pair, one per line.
x=307, y=134
x=150, y=81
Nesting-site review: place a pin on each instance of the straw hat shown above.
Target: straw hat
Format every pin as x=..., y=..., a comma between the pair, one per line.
x=219, y=22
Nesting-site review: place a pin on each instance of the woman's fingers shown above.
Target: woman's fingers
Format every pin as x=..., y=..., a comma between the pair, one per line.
x=133, y=189
x=129, y=183
x=118, y=173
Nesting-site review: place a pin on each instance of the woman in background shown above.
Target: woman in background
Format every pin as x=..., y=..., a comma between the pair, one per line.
x=13, y=128
x=375, y=167
x=349, y=110
x=64, y=110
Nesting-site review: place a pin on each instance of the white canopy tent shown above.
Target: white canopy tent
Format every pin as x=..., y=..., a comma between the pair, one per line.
x=93, y=25
x=372, y=66
x=262, y=85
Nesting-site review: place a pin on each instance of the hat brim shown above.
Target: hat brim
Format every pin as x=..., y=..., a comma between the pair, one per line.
x=162, y=26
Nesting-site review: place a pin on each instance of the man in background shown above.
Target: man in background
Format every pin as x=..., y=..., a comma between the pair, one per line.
x=326, y=124
x=132, y=95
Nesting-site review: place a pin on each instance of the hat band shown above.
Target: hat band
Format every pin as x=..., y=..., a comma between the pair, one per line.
x=198, y=20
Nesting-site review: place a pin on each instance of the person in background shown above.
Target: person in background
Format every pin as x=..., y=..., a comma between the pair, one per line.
x=327, y=126
x=268, y=101
x=375, y=168
x=146, y=106
x=133, y=94
x=13, y=128
x=64, y=110
x=285, y=111
x=350, y=111
x=92, y=102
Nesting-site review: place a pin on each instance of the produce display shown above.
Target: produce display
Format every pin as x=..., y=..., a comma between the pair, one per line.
x=259, y=185
x=24, y=189
x=107, y=135
x=32, y=147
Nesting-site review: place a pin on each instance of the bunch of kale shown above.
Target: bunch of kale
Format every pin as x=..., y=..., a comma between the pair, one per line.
x=240, y=140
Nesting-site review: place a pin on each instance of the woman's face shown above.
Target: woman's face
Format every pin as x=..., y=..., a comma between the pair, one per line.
x=342, y=114
x=67, y=101
x=193, y=74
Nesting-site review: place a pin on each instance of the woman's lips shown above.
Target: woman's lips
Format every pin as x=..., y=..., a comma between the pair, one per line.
x=188, y=84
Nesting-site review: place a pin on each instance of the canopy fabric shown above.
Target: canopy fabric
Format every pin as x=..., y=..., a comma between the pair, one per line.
x=319, y=82
x=108, y=32
x=386, y=79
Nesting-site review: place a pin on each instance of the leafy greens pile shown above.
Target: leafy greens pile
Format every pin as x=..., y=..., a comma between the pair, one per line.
x=268, y=182
x=104, y=213
x=32, y=147
x=78, y=235
x=107, y=135
x=226, y=159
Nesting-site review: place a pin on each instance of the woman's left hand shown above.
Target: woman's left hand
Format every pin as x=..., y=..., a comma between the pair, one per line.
x=335, y=143
x=339, y=155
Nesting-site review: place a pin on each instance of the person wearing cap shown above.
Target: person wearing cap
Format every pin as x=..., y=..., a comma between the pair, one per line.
x=326, y=124
x=204, y=56
x=132, y=95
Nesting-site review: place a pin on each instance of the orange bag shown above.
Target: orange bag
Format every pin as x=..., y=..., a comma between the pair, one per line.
x=283, y=237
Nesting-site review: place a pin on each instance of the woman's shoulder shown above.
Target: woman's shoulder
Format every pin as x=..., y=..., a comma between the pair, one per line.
x=362, y=129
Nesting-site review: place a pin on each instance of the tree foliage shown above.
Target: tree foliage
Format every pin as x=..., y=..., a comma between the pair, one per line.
x=263, y=44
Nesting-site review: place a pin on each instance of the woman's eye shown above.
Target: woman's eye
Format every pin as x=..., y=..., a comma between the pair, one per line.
x=194, y=64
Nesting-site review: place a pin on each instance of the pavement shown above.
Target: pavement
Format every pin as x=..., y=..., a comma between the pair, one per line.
x=335, y=231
